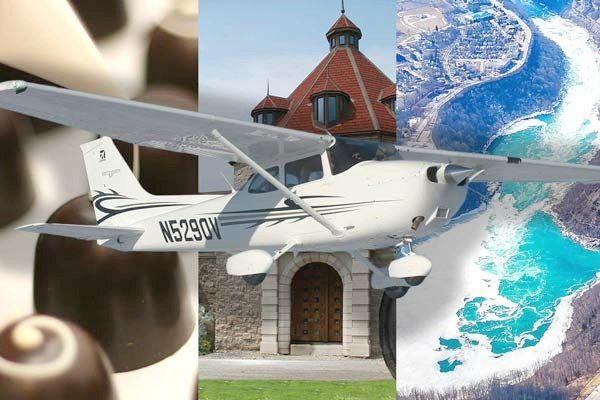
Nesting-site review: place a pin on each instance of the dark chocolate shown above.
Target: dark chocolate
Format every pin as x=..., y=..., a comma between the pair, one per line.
x=166, y=172
x=16, y=191
x=101, y=18
x=173, y=52
x=136, y=305
x=41, y=342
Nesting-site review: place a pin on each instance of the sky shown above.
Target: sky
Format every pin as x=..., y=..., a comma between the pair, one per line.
x=245, y=43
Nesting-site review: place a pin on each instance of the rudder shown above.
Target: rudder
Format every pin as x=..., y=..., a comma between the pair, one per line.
x=108, y=173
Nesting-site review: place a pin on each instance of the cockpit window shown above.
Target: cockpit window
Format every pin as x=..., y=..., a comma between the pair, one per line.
x=260, y=184
x=304, y=170
x=346, y=153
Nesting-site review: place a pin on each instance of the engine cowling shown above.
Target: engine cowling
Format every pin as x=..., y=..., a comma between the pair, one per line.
x=450, y=174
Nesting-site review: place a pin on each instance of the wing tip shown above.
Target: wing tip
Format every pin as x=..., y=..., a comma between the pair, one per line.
x=17, y=86
x=28, y=227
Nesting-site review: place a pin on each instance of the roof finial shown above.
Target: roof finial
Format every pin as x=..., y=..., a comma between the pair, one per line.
x=343, y=9
x=267, y=87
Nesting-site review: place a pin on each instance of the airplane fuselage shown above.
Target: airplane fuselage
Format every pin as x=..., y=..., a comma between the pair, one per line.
x=374, y=202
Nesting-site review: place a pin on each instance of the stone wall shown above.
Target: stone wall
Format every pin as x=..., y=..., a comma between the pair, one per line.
x=375, y=302
x=234, y=304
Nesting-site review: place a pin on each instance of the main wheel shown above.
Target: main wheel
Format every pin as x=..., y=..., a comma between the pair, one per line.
x=415, y=280
x=387, y=331
x=395, y=292
x=254, y=279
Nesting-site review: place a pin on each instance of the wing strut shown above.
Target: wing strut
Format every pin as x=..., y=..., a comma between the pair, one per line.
x=286, y=192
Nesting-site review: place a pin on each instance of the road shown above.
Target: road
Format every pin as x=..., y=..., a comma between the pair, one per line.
x=285, y=368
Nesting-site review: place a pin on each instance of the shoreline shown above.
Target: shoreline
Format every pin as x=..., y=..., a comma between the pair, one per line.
x=428, y=139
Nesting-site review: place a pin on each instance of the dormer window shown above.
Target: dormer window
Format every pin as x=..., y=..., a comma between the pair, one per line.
x=329, y=108
x=268, y=117
x=391, y=104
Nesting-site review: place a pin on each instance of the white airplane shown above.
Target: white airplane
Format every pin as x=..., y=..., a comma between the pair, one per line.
x=310, y=192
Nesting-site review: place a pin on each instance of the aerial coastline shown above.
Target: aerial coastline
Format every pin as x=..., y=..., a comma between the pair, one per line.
x=480, y=116
x=446, y=48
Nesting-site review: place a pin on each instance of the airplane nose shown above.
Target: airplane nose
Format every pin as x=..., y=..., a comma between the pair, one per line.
x=451, y=174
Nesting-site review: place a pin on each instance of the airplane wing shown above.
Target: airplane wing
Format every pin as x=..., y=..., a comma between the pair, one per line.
x=84, y=232
x=505, y=169
x=157, y=126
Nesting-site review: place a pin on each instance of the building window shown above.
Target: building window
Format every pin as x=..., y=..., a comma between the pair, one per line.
x=344, y=39
x=267, y=117
x=261, y=185
x=329, y=109
x=305, y=170
x=391, y=104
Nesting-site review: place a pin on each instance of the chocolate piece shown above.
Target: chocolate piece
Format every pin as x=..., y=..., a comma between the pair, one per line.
x=167, y=172
x=136, y=305
x=16, y=191
x=173, y=51
x=101, y=18
x=45, y=358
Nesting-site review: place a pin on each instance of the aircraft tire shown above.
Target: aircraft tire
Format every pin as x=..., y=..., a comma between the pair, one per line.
x=415, y=280
x=254, y=279
x=387, y=332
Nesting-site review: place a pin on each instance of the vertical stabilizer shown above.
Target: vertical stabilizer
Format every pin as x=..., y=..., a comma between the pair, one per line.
x=109, y=176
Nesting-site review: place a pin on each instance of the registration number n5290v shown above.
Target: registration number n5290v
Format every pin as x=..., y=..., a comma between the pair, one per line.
x=190, y=229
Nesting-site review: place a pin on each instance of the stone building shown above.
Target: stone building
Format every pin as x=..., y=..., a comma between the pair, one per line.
x=311, y=303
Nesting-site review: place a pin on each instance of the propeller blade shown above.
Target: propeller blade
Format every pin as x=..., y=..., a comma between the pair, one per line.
x=45, y=38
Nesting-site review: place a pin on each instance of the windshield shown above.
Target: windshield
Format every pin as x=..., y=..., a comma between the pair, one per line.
x=346, y=153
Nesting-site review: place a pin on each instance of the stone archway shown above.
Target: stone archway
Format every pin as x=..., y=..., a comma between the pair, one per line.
x=276, y=304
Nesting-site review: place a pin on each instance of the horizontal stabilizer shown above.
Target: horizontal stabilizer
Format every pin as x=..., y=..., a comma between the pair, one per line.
x=84, y=232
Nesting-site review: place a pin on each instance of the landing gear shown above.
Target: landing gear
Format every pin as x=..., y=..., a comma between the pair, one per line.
x=254, y=279
x=387, y=331
x=415, y=280
x=395, y=292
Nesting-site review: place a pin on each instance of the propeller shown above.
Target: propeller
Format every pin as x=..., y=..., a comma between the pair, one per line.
x=46, y=38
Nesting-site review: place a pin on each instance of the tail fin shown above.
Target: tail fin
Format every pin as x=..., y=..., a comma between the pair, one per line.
x=107, y=170
x=109, y=175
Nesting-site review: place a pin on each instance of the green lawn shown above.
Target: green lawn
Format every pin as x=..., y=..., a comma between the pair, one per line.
x=297, y=390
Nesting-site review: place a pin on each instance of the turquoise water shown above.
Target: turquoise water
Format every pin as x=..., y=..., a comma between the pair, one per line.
x=529, y=260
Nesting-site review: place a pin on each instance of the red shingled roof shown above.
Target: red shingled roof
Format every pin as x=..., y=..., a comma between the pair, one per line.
x=354, y=75
x=272, y=103
x=343, y=23
x=347, y=70
x=388, y=92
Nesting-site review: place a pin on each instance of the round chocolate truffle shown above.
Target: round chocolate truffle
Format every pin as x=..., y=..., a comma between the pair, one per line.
x=101, y=18
x=136, y=305
x=44, y=358
x=167, y=172
x=173, y=50
x=16, y=191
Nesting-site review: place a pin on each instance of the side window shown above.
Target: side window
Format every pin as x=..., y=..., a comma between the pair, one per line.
x=304, y=170
x=260, y=184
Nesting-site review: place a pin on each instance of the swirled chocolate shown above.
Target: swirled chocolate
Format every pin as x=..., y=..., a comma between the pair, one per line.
x=136, y=305
x=48, y=359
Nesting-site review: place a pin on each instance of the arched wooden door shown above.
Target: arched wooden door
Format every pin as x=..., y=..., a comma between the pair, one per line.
x=317, y=296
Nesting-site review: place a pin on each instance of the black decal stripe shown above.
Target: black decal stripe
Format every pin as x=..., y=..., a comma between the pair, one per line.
x=297, y=218
x=298, y=212
x=278, y=209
